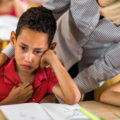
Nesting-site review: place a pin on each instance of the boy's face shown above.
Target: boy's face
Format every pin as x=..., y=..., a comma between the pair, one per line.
x=29, y=47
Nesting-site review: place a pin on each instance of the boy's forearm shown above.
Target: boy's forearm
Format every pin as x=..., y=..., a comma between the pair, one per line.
x=5, y=101
x=67, y=85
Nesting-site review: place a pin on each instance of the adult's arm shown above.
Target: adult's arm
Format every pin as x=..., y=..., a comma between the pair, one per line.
x=84, y=12
x=57, y=6
x=8, y=51
x=111, y=95
x=3, y=58
x=102, y=69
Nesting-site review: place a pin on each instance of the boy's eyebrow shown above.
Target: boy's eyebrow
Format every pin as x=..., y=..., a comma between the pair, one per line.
x=34, y=48
x=24, y=44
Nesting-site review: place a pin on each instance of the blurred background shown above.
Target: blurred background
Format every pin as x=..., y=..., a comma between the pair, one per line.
x=10, y=11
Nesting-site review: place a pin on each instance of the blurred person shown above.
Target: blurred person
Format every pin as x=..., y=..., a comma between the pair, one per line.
x=13, y=7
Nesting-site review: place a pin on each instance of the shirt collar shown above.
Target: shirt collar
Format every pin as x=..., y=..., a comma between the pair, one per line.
x=10, y=74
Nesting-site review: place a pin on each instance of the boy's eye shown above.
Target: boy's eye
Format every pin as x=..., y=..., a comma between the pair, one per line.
x=23, y=47
x=37, y=52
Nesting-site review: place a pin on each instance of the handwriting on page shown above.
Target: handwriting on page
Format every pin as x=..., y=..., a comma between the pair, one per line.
x=70, y=112
x=30, y=111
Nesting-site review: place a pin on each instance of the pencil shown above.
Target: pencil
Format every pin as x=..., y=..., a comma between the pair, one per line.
x=89, y=115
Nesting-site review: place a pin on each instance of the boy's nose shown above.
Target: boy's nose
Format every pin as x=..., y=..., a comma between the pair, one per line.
x=28, y=57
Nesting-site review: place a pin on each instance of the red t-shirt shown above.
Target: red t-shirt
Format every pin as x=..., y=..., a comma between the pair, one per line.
x=43, y=82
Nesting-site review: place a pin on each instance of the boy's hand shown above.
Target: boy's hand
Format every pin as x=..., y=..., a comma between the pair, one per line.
x=20, y=94
x=48, y=56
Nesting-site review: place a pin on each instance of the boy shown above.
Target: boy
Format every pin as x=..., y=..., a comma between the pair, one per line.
x=21, y=79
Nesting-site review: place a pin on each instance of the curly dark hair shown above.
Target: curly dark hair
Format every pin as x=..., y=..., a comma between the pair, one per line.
x=39, y=19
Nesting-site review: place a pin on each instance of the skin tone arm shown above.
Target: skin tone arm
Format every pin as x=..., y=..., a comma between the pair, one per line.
x=20, y=7
x=66, y=89
x=111, y=95
x=3, y=58
x=19, y=94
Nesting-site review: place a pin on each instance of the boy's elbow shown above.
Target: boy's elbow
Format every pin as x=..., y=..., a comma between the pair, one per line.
x=74, y=99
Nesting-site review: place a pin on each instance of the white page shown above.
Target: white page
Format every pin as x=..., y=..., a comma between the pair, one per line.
x=44, y=111
x=27, y=111
x=64, y=112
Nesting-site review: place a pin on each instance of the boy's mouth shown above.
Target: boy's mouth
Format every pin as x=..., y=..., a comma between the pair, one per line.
x=27, y=67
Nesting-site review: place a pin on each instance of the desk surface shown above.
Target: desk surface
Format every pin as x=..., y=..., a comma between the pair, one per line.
x=108, y=112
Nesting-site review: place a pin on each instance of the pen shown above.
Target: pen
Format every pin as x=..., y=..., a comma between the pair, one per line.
x=89, y=115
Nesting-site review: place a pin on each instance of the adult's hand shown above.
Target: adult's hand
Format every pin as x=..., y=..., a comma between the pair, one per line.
x=110, y=9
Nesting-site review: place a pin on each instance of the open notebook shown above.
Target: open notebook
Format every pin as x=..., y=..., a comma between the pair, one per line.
x=44, y=111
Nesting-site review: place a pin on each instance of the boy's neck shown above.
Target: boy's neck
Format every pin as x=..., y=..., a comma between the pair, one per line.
x=24, y=76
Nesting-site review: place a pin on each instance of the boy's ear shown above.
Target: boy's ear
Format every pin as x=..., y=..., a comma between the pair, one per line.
x=13, y=38
x=53, y=45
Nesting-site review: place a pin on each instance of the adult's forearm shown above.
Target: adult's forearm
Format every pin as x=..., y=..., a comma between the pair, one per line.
x=102, y=69
x=111, y=97
x=57, y=6
x=3, y=58
x=9, y=51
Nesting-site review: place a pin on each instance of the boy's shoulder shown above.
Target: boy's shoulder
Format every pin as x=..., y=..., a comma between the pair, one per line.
x=45, y=73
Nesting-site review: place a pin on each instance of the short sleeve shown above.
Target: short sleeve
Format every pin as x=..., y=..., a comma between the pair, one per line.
x=52, y=80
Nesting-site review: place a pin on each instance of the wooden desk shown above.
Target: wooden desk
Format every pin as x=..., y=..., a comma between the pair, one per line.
x=2, y=117
x=108, y=112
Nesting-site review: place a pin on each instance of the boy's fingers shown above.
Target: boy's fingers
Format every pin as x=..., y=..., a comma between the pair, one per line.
x=24, y=85
x=29, y=88
x=14, y=87
x=53, y=45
